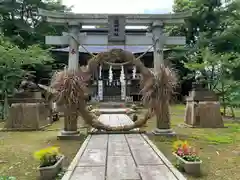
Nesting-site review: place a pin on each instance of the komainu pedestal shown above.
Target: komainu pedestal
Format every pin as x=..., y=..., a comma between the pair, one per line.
x=203, y=110
x=27, y=116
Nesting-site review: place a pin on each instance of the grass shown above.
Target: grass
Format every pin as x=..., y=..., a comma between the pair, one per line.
x=218, y=148
x=16, y=151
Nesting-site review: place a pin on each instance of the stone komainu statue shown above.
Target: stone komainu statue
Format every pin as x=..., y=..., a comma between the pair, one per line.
x=28, y=86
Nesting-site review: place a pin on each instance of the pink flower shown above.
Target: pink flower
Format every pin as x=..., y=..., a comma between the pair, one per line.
x=180, y=152
x=186, y=151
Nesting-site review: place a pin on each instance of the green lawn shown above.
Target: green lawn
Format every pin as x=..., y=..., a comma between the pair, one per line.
x=218, y=148
x=16, y=151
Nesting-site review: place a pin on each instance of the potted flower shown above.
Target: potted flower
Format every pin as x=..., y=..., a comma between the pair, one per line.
x=187, y=157
x=50, y=162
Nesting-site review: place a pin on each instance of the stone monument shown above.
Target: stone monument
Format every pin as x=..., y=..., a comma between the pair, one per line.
x=203, y=108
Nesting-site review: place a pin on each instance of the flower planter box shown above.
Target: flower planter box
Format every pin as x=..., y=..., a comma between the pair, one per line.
x=192, y=168
x=50, y=172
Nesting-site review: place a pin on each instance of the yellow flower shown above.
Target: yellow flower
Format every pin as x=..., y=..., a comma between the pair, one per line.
x=177, y=144
x=46, y=152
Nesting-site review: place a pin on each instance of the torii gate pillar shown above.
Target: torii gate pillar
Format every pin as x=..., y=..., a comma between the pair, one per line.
x=70, y=121
x=73, y=46
x=158, y=40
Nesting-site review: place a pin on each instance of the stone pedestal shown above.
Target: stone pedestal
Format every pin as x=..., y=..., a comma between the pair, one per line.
x=27, y=116
x=203, y=110
x=69, y=131
x=163, y=132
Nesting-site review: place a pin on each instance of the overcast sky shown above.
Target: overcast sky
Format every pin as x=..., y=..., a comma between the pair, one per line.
x=120, y=6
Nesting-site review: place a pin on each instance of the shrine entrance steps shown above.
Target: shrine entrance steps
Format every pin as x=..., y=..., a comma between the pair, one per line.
x=120, y=157
x=111, y=105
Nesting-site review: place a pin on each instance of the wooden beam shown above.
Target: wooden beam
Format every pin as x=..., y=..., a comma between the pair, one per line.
x=102, y=40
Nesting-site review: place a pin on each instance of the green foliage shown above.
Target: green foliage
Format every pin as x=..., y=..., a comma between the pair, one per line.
x=205, y=18
x=20, y=22
x=12, y=60
x=7, y=178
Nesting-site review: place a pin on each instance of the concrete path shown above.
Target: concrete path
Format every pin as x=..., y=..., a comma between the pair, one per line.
x=112, y=111
x=115, y=119
x=115, y=110
x=120, y=157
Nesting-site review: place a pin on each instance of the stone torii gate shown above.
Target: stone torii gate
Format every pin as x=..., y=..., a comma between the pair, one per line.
x=116, y=32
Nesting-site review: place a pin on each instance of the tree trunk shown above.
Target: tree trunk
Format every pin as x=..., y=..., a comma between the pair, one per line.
x=163, y=115
x=232, y=112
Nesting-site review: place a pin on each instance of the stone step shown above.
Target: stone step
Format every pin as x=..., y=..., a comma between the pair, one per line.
x=112, y=104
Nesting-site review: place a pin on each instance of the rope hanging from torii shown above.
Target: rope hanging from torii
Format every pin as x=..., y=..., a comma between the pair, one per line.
x=115, y=51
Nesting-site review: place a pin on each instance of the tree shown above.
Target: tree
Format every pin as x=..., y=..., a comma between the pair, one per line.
x=205, y=18
x=20, y=21
x=227, y=38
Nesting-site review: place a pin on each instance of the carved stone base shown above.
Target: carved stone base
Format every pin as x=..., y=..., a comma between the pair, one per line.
x=70, y=135
x=69, y=132
x=163, y=132
x=204, y=114
x=27, y=116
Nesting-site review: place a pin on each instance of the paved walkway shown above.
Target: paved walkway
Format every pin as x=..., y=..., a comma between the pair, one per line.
x=113, y=111
x=115, y=119
x=120, y=157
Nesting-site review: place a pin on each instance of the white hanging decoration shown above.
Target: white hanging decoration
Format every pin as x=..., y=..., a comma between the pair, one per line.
x=134, y=72
x=110, y=77
x=122, y=76
x=100, y=72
